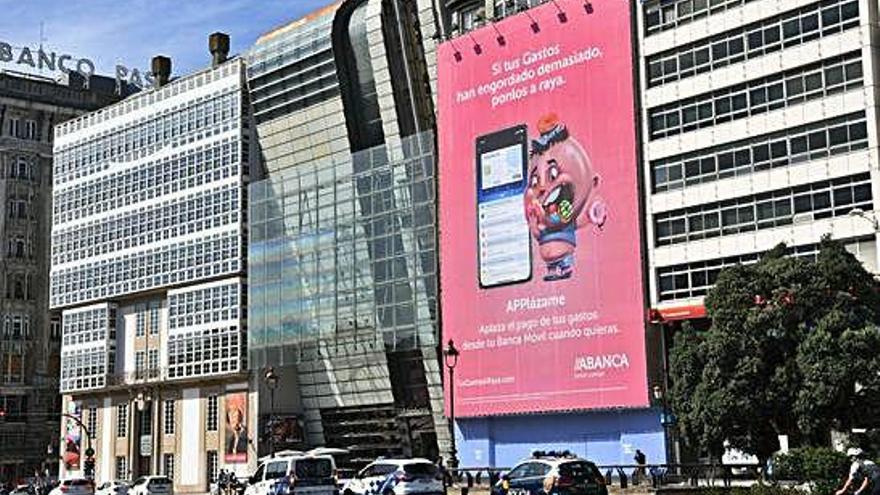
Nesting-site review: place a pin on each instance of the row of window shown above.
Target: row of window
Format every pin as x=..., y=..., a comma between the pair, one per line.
x=758, y=96
x=149, y=98
x=20, y=248
x=207, y=305
x=19, y=209
x=141, y=313
x=11, y=368
x=21, y=168
x=121, y=466
x=19, y=286
x=205, y=352
x=695, y=279
x=151, y=180
x=22, y=130
x=182, y=262
x=196, y=120
x=146, y=364
x=780, y=149
x=824, y=199
x=662, y=15
x=16, y=326
x=15, y=407
x=92, y=325
x=793, y=28
x=83, y=369
x=205, y=210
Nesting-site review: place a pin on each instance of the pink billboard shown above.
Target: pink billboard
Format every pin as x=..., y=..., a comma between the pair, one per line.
x=541, y=274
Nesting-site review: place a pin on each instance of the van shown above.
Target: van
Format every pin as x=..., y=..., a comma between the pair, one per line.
x=294, y=474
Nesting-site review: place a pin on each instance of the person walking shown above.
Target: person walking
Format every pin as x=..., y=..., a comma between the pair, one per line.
x=864, y=475
x=641, y=462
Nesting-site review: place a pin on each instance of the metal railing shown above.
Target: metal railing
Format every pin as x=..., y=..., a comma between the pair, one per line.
x=656, y=476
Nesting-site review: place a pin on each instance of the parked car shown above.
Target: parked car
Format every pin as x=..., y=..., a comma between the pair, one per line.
x=152, y=485
x=572, y=476
x=112, y=488
x=74, y=486
x=397, y=477
x=294, y=473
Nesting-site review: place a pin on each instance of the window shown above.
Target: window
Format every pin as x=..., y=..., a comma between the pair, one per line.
x=30, y=129
x=213, y=466
x=211, y=416
x=13, y=127
x=122, y=420
x=140, y=363
x=92, y=423
x=153, y=363
x=755, y=97
x=154, y=318
x=140, y=325
x=663, y=15
x=754, y=40
x=169, y=418
x=121, y=468
x=168, y=465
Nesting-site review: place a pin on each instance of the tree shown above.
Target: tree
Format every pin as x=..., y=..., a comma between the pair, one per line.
x=789, y=339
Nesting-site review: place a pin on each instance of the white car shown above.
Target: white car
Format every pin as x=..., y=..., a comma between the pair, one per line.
x=113, y=488
x=151, y=485
x=397, y=477
x=74, y=486
x=294, y=473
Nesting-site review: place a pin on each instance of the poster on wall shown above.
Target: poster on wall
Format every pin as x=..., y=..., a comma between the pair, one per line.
x=72, y=437
x=541, y=275
x=237, y=439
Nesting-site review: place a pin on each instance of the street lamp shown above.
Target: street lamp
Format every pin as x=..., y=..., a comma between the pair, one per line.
x=271, y=379
x=858, y=212
x=450, y=356
x=660, y=398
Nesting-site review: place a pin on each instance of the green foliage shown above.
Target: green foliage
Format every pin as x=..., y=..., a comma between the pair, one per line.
x=789, y=339
x=810, y=464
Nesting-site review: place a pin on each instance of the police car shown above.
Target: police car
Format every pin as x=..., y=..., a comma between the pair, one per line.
x=570, y=474
x=397, y=477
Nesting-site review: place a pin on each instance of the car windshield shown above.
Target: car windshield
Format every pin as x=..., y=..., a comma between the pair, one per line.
x=425, y=469
x=580, y=470
x=160, y=482
x=76, y=482
x=313, y=468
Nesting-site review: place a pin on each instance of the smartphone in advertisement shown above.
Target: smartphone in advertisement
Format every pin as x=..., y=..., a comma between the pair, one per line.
x=504, y=242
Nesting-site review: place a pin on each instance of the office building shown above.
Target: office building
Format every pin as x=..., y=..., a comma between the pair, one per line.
x=30, y=335
x=342, y=259
x=148, y=265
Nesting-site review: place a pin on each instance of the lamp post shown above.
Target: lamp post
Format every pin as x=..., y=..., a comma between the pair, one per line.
x=450, y=356
x=660, y=398
x=271, y=379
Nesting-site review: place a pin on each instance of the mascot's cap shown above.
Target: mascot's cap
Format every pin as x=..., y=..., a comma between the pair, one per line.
x=552, y=131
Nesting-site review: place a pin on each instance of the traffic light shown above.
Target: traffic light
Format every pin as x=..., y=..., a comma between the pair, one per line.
x=89, y=467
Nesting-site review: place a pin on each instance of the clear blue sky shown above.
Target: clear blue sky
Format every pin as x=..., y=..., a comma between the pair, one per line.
x=131, y=32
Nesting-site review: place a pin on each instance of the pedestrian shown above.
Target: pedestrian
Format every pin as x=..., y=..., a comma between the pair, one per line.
x=862, y=472
x=549, y=487
x=641, y=462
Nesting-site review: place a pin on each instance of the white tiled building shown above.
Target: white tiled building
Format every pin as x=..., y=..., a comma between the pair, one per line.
x=148, y=250
x=759, y=126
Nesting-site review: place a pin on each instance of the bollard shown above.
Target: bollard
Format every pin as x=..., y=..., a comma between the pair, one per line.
x=479, y=480
x=608, y=477
x=470, y=479
x=623, y=479
x=493, y=478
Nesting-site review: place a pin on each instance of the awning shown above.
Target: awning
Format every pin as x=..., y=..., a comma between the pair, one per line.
x=675, y=313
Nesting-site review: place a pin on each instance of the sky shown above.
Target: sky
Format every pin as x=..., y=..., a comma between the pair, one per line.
x=131, y=32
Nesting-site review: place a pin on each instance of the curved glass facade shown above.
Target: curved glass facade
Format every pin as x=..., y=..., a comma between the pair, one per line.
x=344, y=253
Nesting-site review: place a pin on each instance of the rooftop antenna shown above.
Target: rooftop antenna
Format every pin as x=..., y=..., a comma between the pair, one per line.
x=42, y=39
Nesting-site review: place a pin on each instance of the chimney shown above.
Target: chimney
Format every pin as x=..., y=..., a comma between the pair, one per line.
x=161, y=68
x=218, y=44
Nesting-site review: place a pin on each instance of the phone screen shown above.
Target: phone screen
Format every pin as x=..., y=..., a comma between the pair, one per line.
x=502, y=230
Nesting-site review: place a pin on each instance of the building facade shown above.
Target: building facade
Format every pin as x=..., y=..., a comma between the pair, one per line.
x=343, y=282
x=759, y=126
x=148, y=265
x=30, y=335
